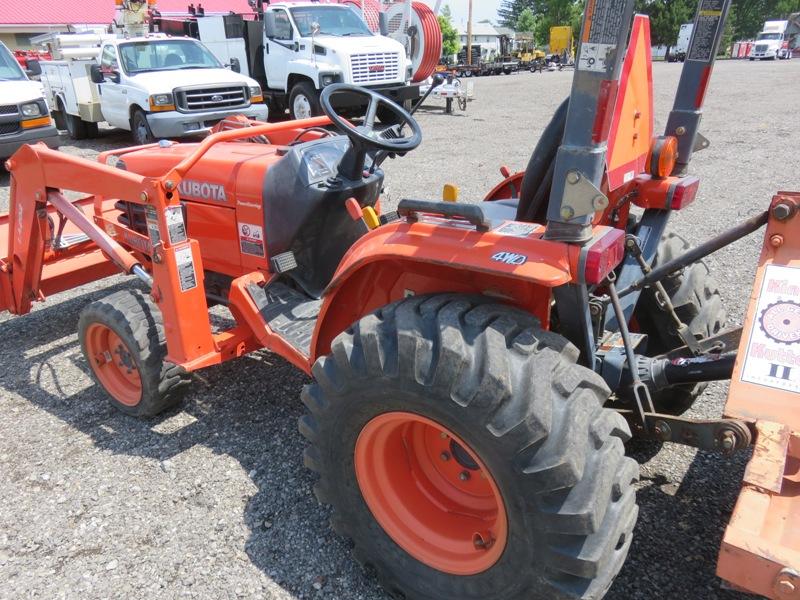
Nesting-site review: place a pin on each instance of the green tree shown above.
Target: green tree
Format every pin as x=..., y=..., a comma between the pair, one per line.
x=510, y=10
x=526, y=23
x=451, y=43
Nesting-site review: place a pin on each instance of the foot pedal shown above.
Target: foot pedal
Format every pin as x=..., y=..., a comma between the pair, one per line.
x=283, y=263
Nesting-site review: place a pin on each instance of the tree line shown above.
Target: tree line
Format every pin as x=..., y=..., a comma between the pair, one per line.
x=666, y=16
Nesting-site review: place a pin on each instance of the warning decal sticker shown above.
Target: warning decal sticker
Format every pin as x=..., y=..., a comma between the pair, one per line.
x=251, y=239
x=152, y=224
x=708, y=22
x=773, y=354
x=515, y=229
x=175, y=226
x=186, y=274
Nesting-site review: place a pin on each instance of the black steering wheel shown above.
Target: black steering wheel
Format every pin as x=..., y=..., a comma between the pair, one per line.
x=365, y=137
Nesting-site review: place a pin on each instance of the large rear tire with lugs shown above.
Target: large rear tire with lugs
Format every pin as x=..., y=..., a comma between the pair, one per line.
x=122, y=338
x=695, y=296
x=467, y=456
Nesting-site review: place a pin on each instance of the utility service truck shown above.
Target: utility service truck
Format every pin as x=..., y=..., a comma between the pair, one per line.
x=24, y=114
x=154, y=86
x=682, y=45
x=772, y=42
x=296, y=49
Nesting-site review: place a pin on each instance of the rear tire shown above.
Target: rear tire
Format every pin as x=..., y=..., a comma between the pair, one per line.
x=515, y=397
x=122, y=338
x=695, y=295
x=76, y=127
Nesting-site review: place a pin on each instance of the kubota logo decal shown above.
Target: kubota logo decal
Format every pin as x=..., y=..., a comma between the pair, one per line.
x=201, y=190
x=510, y=258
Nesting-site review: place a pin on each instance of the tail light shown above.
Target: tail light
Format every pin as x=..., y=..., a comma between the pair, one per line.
x=603, y=255
x=682, y=193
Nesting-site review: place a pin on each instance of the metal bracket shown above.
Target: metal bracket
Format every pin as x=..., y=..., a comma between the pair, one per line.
x=700, y=143
x=581, y=197
x=720, y=435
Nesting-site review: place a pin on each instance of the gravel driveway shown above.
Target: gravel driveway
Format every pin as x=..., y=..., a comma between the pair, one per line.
x=212, y=500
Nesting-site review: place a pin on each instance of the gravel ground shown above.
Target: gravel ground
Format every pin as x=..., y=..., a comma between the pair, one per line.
x=212, y=500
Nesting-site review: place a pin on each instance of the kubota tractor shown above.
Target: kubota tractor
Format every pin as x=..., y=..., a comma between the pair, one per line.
x=477, y=367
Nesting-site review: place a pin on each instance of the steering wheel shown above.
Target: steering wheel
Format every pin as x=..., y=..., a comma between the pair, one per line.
x=365, y=137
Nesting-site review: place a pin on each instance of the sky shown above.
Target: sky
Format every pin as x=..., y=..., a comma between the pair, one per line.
x=481, y=9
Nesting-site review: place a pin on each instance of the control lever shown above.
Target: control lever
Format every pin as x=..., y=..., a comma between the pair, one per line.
x=438, y=80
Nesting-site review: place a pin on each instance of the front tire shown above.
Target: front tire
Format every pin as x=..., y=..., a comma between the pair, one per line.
x=518, y=419
x=304, y=101
x=140, y=128
x=122, y=338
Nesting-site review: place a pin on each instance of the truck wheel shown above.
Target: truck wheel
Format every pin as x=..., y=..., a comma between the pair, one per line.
x=76, y=127
x=467, y=456
x=304, y=101
x=122, y=338
x=140, y=128
x=695, y=295
x=59, y=116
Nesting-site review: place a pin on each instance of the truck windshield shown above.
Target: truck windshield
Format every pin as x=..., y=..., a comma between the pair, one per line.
x=9, y=67
x=770, y=36
x=333, y=20
x=165, y=55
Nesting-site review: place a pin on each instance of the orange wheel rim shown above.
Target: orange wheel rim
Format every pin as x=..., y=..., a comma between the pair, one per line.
x=431, y=493
x=113, y=364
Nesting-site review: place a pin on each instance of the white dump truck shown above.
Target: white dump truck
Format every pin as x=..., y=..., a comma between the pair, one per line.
x=24, y=114
x=772, y=42
x=295, y=49
x=154, y=86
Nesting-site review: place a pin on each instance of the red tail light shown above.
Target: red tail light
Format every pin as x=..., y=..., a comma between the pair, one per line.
x=682, y=193
x=603, y=256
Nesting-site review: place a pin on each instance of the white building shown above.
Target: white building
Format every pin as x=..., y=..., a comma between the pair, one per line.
x=483, y=35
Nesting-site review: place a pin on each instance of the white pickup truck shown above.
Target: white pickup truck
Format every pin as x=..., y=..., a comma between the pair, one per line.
x=24, y=115
x=154, y=86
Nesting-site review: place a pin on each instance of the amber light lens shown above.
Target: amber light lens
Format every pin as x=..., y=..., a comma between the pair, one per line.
x=663, y=156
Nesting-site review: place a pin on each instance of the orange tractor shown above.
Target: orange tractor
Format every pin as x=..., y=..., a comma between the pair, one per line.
x=477, y=367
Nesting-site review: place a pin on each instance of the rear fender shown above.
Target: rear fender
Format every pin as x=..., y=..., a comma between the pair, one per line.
x=436, y=255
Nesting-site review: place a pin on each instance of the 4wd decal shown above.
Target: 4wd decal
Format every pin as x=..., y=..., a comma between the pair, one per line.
x=510, y=258
x=202, y=190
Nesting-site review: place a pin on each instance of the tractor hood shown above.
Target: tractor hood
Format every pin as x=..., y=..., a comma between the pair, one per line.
x=15, y=92
x=159, y=82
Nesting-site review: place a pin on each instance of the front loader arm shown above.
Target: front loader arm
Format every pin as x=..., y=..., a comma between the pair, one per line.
x=38, y=175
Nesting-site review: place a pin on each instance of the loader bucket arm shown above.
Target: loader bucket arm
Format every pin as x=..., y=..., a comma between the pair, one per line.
x=37, y=174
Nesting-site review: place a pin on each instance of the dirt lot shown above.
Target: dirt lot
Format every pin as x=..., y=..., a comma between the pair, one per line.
x=212, y=500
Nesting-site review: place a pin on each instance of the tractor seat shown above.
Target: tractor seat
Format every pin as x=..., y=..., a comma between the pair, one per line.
x=501, y=210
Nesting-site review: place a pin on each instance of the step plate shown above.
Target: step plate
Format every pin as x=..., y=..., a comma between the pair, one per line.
x=287, y=312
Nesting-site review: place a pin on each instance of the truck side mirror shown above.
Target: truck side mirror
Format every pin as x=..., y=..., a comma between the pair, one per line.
x=96, y=74
x=34, y=68
x=236, y=66
x=270, y=28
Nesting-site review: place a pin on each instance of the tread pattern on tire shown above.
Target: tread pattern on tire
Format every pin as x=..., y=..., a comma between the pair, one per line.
x=695, y=295
x=138, y=321
x=500, y=371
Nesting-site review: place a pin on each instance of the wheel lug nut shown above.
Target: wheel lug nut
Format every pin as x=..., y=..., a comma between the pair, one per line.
x=445, y=456
x=463, y=476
